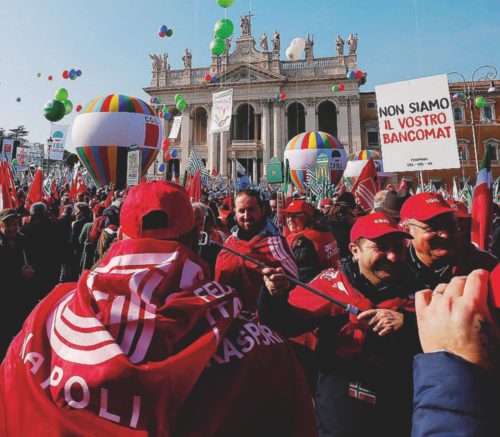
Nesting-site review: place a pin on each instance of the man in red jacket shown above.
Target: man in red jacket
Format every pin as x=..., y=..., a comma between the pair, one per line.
x=257, y=237
x=145, y=344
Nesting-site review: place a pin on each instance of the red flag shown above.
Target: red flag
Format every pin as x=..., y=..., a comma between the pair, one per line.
x=11, y=185
x=35, y=194
x=78, y=186
x=109, y=199
x=482, y=212
x=53, y=190
x=403, y=185
x=195, y=187
x=5, y=201
x=366, y=186
x=214, y=172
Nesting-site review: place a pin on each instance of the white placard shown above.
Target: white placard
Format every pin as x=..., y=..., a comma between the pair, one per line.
x=133, y=167
x=222, y=109
x=59, y=132
x=7, y=149
x=417, y=131
x=176, y=126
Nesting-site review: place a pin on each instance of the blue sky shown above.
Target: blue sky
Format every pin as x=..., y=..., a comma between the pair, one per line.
x=110, y=40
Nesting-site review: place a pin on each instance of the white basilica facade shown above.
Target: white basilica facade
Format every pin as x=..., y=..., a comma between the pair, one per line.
x=261, y=125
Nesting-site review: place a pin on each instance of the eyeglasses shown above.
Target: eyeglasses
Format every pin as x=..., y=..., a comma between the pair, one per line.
x=448, y=227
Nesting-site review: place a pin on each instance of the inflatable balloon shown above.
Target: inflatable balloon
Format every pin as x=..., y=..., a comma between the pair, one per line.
x=61, y=94
x=54, y=110
x=18, y=99
x=224, y=28
x=225, y=3
x=78, y=73
x=170, y=32
x=50, y=78
x=217, y=46
x=214, y=79
x=68, y=106
x=357, y=160
x=65, y=74
x=107, y=126
x=298, y=46
x=289, y=53
x=163, y=29
x=39, y=75
x=161, y=35
x=165, y=145
x=207, y=78
x=174, y=154
x=181, y=105
x=178, y=97
x=303, y=150
x=341, y=87
x=335, y=88
x=78, y=108
x=167, y=157
x=167, y=115
x=480, y=102
x=351, y=74
x=358, y=74
x=161, y=167
x=282, y=96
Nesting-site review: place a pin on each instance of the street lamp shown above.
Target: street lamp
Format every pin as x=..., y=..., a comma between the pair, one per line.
x=470, y=94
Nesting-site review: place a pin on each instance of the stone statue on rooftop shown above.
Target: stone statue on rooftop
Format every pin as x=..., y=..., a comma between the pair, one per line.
x=276, y=41
x=263, y=42
x=339, y=43
x=352, y=43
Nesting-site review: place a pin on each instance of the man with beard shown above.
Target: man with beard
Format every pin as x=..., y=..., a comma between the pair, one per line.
x=146, y=345
x=365, y=361
x=434, y=254
x=258, y=237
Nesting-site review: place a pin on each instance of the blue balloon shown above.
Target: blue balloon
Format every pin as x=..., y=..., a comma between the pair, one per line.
x=18, y=99
x=72, y=74
x=161, y=167
x=277, y=96
x=214, y=79
x=168, y=116
x=163, y=29
x=174, y=153
x=78, y=73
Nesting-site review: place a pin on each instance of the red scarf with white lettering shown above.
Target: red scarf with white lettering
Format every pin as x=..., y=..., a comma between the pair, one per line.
x=119, y=352
x=245, y=276
x=334, y=283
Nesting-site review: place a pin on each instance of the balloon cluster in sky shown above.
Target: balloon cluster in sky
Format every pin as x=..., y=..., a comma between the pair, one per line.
x=351, y=74
x=71, y=74
x=223, y=30
x=180, y=102
x=164, y=31
x=337, y=88
x=208, y=78
x=295, y=49
x=280, y=97
x=54, y=110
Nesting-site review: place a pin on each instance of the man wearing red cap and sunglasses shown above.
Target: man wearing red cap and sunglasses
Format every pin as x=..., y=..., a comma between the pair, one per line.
x=146, y=344
x=364, y=361
x=441, y=247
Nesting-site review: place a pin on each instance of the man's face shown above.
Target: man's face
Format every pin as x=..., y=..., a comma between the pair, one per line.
x=9, y=227
x=273, y=203
x=296, y=222
x=248, y=213
x=325, y=209
x=380, y=259
x=434, y=239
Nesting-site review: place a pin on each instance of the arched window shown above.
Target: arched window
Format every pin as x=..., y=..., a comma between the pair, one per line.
x=458, y=111
x=494, y=148
x=463, y=149
x=327, y=118
x=296, y=117
x=488, y=112
x=200, y=121
x=244, y=122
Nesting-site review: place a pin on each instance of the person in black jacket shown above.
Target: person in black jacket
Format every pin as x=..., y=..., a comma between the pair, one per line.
x=365, y=369
x=17, y=276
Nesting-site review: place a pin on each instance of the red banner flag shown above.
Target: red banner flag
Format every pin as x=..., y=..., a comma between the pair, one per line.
x=35, y=194
x=366, y=186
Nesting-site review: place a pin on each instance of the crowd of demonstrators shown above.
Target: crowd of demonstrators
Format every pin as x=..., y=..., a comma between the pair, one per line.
x=131, y=251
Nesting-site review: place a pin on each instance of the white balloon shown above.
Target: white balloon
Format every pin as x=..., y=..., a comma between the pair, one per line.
x=290, y=54
x=296, y=52
x=300, y=43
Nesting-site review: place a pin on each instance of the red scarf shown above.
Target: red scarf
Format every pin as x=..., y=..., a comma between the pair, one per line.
x=119, y=352
x=245, y=276
x=334, y=283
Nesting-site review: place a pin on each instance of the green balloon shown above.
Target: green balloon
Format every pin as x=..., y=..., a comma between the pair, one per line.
x=39, y=75
x=224, y=28
x=178, y=97
x=217, y=46
x=68, y=106
x=181, y=105
x=480, y=102
x=54, y=110
x=335, y=88
x=170, y=32
x=61, y=94
x=225, y=3
x=15, y=161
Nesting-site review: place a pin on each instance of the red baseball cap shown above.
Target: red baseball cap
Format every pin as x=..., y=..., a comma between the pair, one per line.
x=298, y=206
x=460, y=208
x=326, y=202
x=164, y=196
x=376, y=225
x=424, y=206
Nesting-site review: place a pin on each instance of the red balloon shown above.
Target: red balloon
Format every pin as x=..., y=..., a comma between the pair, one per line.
x=78, y=108
x=161, y=35
x=50, y=78
x=167, y=157
x=166, y=144
x=341, y=87
x=358, y=74
x=65, y=74
x=282, y=96
x=207, y=78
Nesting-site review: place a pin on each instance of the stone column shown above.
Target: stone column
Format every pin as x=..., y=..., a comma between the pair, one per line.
x=233, y=167
x=212, y=151
x=343, y=123
x=355, y=124
x=185, y=136
x=254, y=172
x=266, y=133
x=223, y=153
x=310, y=115
x=277, y=130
